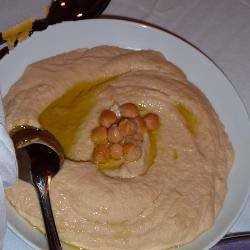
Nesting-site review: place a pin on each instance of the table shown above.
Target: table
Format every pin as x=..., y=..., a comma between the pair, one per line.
x=219, y=28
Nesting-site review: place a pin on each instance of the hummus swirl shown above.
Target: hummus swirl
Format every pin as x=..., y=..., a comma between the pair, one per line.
x=169, y=199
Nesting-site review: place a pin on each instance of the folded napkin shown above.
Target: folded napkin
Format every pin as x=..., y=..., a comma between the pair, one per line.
x=8, y=170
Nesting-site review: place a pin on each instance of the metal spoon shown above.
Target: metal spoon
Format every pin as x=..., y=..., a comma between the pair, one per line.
x=39, y=157
x=229, y=241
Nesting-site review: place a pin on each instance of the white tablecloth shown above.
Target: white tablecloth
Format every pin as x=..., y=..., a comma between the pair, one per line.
x=219, y=28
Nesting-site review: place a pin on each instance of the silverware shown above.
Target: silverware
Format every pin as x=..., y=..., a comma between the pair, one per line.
x=242, y=239
x=39, y=157
x=235, y=236
x=64, y=10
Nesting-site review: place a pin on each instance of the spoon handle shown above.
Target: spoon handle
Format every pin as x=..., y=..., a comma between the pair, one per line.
x=42, y=187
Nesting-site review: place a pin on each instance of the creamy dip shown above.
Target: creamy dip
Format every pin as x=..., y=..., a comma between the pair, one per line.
x=165, y=199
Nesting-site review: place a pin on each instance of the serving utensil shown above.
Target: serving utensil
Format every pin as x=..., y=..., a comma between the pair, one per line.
x=39, y=157
x=229, y=241
x=64, y=10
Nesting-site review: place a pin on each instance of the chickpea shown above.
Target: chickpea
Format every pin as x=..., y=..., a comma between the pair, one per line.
x=114, y=134
x=101, y=153
x=116, y=151
x=138, y=137
x=99, y=135
x=141, y=125
x=107, y=118
x=127, y=127
x=152, y=121
x=129, y=110
x=132, y=152
x=135, y=139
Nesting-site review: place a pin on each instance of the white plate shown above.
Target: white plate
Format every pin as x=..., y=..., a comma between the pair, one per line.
x=199, y=69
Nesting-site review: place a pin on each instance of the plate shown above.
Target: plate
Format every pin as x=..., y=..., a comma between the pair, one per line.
x=199, y=69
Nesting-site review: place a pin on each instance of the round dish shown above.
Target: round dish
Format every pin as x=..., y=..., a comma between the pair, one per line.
x=199, y=70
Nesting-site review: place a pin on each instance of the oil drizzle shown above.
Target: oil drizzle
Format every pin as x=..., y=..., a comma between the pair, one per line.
x=152, y=147
x=110, y=164
x=64, y=116
x=191, y=121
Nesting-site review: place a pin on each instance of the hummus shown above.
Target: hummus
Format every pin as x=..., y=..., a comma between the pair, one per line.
x=165, y=199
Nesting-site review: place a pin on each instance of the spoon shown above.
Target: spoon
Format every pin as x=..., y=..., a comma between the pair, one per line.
x=39, y=157
x=64, y=10
x=242, y=239
x=70, y=10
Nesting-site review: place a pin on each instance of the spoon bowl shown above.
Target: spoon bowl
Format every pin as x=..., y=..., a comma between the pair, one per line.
x=40, y=144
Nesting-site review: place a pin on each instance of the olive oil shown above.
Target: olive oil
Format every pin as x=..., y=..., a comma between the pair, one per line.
x=110, y=164
x=191, y=121
x=152, y=147
x=64, y=116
